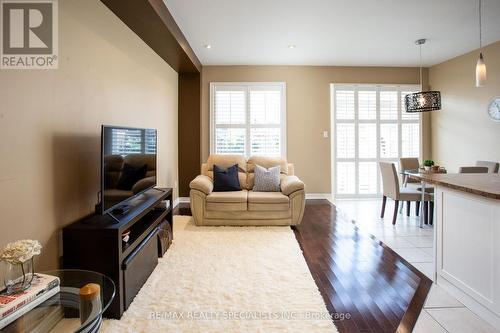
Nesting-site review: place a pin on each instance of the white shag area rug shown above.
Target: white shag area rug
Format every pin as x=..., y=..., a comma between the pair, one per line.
x=228, y=279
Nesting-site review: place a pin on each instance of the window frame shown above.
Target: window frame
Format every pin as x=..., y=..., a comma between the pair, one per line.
x=377, y=121
x=246, y=86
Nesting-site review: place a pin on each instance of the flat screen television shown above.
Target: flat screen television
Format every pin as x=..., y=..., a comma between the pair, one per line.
x=128, y=165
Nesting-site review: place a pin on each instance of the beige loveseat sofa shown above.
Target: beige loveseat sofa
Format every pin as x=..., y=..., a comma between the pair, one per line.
x=247, y=207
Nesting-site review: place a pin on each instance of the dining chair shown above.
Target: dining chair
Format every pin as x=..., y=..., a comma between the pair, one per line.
x=492, y=166
x=408, y=163
x=473, y=169
x=391, y=189
x=411, y=163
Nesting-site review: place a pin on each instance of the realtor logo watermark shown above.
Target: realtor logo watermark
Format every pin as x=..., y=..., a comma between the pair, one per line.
x=29, y=34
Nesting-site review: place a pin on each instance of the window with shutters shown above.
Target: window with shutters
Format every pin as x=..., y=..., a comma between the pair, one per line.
x=369, y=125
x=248, y=119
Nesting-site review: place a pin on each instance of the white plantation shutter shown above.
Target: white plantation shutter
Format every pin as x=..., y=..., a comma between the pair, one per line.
x=367, y=140
x=230, y=106
x=265, y=141
x=230, y=141
x=370, y=125
x=345, y=140
x=346, y=177
x=367, y=104
x=367, y=183
x=248, y=119
x=265, y=105
x=389, y=141
x=344, y=101
x=389, y=105
x=410, y=140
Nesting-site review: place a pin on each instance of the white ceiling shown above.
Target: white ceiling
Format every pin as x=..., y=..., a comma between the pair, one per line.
x=333, y=32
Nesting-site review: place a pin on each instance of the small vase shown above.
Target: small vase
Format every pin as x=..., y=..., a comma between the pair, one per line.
x=427, y=168
x=18, y=277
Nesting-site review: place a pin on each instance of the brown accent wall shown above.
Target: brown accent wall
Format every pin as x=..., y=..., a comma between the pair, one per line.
x=189, y=130
x=308, y=108
x=153, y=23
x=462, y=132
x=50, y=123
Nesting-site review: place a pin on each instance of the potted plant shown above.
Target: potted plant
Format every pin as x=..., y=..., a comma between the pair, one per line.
x=428, y=164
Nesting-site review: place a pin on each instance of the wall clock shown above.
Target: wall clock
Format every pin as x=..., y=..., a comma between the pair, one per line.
x=494, y=109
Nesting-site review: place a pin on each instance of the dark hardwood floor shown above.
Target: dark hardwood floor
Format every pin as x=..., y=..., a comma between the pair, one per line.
x=359, y=276
x=363, y=282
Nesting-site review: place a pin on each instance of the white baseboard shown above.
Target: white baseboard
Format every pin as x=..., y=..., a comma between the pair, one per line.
x=326, y=196
x=183, y=200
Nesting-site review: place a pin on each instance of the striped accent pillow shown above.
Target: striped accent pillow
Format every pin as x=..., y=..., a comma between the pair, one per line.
x=267, y=180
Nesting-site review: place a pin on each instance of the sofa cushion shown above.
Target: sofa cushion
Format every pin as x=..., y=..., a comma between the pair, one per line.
x=267, y=162
x=267, y=180
x=251, y=180
x=227, y=201
x=233, y=216
x=226, y=179
x=267, y=197
x=225, y=161
x=233, y=196
x=267, y=201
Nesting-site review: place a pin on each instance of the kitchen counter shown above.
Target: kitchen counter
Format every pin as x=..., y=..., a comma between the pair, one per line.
x=467, y=239
x=484, y=184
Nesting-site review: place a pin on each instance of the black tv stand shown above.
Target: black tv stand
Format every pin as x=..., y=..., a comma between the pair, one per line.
x=121, y=210
x=95, y=243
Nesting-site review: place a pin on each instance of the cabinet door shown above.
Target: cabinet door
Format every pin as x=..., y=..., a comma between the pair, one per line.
x=138, y=266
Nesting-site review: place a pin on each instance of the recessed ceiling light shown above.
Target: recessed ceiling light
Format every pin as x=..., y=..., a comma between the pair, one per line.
x=208, y=46
x=292, y=46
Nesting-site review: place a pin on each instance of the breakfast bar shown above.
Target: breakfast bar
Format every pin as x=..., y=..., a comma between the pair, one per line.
x=467, y=239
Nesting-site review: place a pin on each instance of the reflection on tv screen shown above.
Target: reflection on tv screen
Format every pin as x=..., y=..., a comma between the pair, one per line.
x=128, y=163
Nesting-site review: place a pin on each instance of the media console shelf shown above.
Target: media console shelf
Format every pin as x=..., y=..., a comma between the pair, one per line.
x=95, y=243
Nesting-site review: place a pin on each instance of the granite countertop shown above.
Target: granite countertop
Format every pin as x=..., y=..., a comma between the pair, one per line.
x=483, y=184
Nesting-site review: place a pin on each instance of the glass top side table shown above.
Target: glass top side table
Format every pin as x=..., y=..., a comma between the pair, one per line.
x=72, y=309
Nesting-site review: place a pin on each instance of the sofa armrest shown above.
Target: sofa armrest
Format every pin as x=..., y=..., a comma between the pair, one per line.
x=143, y=184
x=202, y=183
x=290, y=184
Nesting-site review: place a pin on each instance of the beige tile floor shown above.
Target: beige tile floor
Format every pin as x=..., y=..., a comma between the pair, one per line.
x=442, y=313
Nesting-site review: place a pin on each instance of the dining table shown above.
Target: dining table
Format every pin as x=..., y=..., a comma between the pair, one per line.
x=417, y=175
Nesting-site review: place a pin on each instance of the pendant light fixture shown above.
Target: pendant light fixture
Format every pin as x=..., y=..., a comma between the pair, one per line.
x=480, y=66
x=425, y=100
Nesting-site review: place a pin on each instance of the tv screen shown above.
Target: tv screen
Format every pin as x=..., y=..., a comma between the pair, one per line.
x=128, y=164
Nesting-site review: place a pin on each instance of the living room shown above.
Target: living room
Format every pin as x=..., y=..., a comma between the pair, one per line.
x=270, y=135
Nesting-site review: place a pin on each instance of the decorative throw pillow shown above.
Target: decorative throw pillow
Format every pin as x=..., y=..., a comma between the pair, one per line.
x=267, y=180
x=131, y=175
x=226, y=180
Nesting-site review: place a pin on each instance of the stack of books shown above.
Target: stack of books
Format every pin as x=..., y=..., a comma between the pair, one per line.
x=14, y=306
